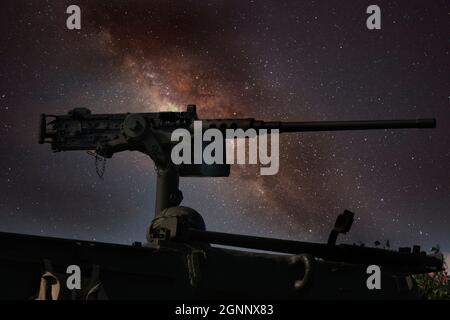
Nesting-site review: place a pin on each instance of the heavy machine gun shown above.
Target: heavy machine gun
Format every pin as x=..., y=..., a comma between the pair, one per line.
x=151, y=133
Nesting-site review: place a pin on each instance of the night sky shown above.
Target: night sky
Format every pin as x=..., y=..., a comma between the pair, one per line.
x=271, y=60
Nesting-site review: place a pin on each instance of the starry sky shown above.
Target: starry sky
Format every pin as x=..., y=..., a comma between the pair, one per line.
x=271, y=60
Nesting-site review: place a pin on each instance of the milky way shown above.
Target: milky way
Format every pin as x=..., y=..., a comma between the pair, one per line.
x=271, y=60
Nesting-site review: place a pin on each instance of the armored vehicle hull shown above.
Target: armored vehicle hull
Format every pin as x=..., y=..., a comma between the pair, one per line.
x=36, y=268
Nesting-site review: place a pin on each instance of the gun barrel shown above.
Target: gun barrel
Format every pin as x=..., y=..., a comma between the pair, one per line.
x=286, y=127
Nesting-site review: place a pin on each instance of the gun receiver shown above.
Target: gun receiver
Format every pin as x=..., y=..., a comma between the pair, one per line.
x=150, y=133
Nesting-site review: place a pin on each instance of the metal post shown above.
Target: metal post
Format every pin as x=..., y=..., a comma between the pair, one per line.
x=167, y=189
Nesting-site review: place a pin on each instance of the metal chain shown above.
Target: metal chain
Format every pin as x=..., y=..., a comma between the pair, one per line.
x=100, y=164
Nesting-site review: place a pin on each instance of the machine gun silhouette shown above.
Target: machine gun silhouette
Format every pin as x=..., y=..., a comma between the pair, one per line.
x=150, y=133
